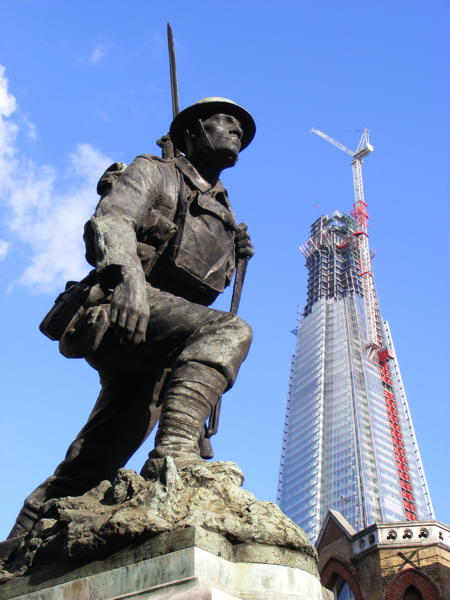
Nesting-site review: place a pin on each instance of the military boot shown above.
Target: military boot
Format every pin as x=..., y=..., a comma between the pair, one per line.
x=193, y=391
x=29, y=513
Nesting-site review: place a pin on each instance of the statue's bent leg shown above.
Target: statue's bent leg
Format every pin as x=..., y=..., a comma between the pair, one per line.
x=222, y=343
x=206, y=367
x=118, y=424
x=192, y=393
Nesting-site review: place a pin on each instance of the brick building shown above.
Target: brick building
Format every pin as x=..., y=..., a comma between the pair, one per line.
x=385, y=561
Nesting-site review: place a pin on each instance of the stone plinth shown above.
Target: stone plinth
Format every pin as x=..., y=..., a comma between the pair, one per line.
x=187, y=564
x=183, y=533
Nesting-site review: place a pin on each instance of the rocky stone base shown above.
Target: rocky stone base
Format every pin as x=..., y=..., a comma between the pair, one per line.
x=193, y=524
x=133, y=509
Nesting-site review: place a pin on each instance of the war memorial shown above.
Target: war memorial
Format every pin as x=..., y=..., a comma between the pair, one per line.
x=163, y=243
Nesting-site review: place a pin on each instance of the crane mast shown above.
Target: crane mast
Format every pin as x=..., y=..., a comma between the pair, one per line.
x=377, y=352
x=359, y=213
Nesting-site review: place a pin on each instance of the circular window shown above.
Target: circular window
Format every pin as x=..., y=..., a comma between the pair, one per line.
x=392, y=535
x=407, y=534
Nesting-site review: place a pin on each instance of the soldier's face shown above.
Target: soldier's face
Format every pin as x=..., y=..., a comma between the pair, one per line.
x=224, y=133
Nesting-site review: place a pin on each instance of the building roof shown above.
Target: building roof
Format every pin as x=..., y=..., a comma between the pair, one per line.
x=333, y=527
x=398, y=534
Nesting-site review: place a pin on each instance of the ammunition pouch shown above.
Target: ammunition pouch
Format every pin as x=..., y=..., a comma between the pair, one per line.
x=85, y=332
x=68, y=304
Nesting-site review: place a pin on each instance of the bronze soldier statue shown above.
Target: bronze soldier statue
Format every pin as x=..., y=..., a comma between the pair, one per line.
x=163, y=242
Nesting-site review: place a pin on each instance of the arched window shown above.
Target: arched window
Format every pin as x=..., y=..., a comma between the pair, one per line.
x=411, y=584
x=342, y=591
x=412, y=593
x=342, y=579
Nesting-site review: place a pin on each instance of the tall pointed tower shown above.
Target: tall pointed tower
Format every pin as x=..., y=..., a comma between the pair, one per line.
x=349, y=442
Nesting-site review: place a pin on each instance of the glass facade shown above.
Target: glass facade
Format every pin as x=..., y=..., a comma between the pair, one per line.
x=348, y=440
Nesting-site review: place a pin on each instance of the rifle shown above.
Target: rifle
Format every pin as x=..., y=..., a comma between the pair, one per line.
x=168, y=151
x=239, y=278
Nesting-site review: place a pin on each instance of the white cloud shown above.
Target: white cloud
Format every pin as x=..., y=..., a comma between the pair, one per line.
x=98, y=53
x=30, y=128
x=8, y=130
x=7, y=100
x=49, y=222
x=4, y=247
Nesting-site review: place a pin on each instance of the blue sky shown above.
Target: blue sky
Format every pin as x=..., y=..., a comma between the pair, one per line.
x=85, y=84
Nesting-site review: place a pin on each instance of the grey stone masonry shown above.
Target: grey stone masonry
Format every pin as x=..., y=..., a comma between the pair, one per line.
x=189, y=564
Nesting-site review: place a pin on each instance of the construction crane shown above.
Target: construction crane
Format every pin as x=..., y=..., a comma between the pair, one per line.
x=359, y=213
x=379, y=353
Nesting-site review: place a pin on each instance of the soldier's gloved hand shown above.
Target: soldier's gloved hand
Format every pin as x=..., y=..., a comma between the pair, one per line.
x=243, y=243
x=129, y=311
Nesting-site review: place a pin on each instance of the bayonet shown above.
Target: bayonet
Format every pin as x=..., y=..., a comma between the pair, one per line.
x=165, y=143
x=173, y=72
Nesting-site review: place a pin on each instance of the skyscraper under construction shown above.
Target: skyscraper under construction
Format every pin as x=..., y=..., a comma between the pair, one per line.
x=348, y=442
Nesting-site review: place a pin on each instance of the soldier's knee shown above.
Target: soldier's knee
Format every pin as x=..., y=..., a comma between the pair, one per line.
x=244, y=331
x=223, y=343
x=237, y=333
x=239, y=337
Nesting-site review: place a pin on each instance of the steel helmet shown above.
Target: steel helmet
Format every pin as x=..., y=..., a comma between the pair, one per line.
x=206, y=108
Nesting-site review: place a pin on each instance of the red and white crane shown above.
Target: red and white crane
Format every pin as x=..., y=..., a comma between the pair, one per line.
x=359, y=213
x=375, y=343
